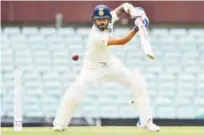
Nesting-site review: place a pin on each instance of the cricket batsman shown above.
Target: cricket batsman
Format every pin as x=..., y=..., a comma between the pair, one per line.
x=99, y=63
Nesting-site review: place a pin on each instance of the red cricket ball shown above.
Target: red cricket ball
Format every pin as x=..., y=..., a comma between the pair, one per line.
x=75, y=57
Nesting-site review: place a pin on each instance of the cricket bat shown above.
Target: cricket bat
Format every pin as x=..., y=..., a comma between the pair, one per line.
x=145, y=44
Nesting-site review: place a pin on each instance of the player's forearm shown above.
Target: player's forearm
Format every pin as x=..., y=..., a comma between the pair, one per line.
x=123, y=40
x=125, y=7
x=130, y=35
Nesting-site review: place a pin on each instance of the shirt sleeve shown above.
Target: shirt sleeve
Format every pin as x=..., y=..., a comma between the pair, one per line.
x=114, y=16
x=100, y=39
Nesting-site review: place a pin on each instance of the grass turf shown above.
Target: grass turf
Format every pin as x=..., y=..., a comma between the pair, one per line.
x=105, y=131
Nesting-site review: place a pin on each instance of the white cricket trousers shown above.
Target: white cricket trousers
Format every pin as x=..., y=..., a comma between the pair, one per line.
x=114, y=71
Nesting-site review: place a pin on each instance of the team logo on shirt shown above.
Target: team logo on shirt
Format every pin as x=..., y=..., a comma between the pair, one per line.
x=101, y=13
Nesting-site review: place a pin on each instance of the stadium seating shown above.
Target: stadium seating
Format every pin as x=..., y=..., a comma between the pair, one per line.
x=175, y=79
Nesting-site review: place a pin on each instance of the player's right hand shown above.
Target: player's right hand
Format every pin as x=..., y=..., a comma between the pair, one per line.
x=138, y=22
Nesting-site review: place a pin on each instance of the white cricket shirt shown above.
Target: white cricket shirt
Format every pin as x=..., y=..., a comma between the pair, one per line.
x=97, y=49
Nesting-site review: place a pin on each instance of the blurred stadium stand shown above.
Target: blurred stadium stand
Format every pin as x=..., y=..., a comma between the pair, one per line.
x=175, y=79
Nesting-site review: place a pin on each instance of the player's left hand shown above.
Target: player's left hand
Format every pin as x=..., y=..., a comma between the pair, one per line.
x=137, y=12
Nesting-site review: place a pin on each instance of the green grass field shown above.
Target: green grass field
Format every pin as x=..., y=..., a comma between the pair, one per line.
x=106, y=131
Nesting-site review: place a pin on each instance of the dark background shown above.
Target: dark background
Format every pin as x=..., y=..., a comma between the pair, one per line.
x=80, y=11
